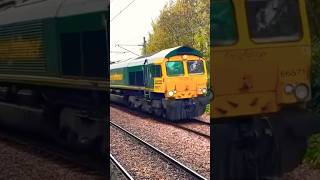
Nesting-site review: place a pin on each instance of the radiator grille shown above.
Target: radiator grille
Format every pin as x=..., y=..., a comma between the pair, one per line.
x=22, y=47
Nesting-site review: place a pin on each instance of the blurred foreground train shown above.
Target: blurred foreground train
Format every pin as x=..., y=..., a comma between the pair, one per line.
x=172, y=83
x=53, y=68
x=260, y=72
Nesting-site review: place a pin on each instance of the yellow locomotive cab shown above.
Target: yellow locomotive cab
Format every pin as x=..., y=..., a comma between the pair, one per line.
x=185, y=77
x=260, y=74
x=263, y=64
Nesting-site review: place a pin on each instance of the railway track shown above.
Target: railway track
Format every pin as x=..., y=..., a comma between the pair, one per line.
x=166, y=156
x=123, y=171
x=43, y=147
x=194, y=131
x=175, y=124
x=200, y=122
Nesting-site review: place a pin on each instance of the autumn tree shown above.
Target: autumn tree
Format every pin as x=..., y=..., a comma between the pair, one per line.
x=181, y=22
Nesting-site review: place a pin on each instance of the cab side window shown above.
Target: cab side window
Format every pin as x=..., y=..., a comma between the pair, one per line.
x=274, y=20
x=156, y=71
x=223, y=24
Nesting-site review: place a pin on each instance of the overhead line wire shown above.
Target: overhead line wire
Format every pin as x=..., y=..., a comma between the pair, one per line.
x=122, y=10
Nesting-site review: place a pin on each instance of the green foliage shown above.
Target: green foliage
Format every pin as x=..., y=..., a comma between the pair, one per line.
x=207, y=109
x=183, y=22
x=313, y=153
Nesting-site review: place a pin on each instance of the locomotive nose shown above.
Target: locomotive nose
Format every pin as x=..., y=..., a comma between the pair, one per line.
x=184, y=87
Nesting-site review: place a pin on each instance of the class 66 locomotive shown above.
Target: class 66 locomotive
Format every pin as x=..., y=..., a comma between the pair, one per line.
x=172, y=83
x=260, y=73
x=53, y=69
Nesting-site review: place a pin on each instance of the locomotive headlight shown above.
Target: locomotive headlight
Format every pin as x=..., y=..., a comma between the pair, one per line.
x=301, y=92
x=185, y=57
x=288, y=88
x=170, y=93
x=204, y=90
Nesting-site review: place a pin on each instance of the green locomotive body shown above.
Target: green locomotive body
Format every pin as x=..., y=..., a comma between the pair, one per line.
x=62, y=41
x=53, y=59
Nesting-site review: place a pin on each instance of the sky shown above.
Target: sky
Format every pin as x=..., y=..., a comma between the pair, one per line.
x=131, y=25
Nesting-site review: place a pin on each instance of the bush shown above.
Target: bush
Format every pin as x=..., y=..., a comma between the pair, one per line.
x=312, y=155
x=208, y=109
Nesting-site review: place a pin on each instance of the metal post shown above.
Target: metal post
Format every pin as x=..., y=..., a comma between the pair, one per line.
x=144, y=46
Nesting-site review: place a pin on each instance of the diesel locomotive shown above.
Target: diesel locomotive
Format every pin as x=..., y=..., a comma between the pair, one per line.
x=260, y=72
x=172, y=83
x=53, y=68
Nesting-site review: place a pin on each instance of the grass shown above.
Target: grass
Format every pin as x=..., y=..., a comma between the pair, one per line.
x=207, y=109
x=312, y=156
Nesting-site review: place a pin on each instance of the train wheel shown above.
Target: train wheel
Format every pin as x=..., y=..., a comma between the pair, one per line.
x=131, y=105
x=244, y=149
x=158, y=112
x=292, y=145
x=164, y=114
x=222, y=134
x=66, y=135
x=103, y=148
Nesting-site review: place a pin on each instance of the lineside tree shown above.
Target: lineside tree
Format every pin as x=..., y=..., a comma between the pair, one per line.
x=181, y=22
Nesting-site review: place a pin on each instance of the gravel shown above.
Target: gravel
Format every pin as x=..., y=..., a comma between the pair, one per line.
x=303, y=172
x=115, y=173
x=188, y=148
x=195, y=127
x=23, y=162
x=205, y=117
x=140, y=161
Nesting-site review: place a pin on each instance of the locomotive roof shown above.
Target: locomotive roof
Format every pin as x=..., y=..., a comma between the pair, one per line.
x=43, y=9
x=167, y=53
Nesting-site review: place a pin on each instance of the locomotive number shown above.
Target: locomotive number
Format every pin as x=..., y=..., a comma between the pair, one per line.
x=292, y=73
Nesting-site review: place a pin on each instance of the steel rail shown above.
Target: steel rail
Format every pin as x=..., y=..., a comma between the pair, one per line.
x=200, y=122
x=190, y=130
x=172, y=160
x=121, y=168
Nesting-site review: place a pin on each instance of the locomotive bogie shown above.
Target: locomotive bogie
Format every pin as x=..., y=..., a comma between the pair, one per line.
x=50, y=111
